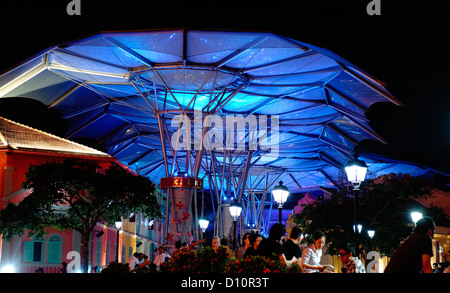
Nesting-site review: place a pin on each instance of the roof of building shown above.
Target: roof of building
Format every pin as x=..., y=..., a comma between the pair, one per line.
x=126, y=88
x=17, y=136
x=438, y=198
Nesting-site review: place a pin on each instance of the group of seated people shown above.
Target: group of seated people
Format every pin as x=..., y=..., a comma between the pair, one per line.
x=289, y=252
x=413, y=255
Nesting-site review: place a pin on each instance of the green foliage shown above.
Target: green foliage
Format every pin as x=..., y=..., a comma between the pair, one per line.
x=334, y=217
x=384, y=205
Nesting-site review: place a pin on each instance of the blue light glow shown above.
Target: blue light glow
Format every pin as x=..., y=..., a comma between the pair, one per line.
x=112, y=87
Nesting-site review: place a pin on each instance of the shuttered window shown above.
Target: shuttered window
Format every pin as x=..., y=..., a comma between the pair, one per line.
x=124, y=250
x=108, y=252
x=54, y=249
x=28, y=251
x=98, y=252
x=33, y=250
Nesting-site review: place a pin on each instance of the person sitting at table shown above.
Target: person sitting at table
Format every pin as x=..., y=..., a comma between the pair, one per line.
x=255, y=239
x=291, y=247
x=350, y=263
x=271, y=246
x=312, y=255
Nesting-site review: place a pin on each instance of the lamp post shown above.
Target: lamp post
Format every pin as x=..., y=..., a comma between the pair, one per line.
x=280, y=194
x=118, y=224
x=371, y=233
x=235, y=211
x=356, y=172
x=203, y=223
x=359, y=227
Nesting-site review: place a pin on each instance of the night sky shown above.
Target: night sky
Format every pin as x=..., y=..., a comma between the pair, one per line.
x=407, y=47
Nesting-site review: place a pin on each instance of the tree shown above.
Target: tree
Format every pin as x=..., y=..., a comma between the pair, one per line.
x=385, y=204
x=87, y=194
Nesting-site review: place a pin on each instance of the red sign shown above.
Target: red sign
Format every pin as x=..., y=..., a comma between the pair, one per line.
x=181, y=182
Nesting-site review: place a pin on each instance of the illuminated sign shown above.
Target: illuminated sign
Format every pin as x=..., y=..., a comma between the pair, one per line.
x=181, y=182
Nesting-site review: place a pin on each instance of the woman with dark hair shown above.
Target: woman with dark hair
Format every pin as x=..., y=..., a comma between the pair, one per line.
x=271, y=247
x=312, y=254
x=244, y=246
x=255, y=239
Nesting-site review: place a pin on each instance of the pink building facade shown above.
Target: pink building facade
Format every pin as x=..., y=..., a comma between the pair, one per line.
x=21, y=146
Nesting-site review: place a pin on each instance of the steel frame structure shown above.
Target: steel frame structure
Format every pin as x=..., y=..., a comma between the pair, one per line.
x=123, y=88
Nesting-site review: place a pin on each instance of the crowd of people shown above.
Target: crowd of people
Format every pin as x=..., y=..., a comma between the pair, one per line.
x=288, y=252
x=412, y=256
x=253, y=244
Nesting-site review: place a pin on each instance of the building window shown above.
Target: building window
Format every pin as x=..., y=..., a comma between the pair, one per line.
x=98, y=252
x=152, y=249
x=108, y=252
x=124, y=250
x=33, y=250
x=54, y=249
x=138, y=223
x=116, y=251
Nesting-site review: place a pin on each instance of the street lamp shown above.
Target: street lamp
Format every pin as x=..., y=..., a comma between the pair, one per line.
x=416, y=216
x=118, y=224
x=371, y=233
x=203, y=223
x=280, y=195
x=235, y=211
x=359, y=227
x=356, y=170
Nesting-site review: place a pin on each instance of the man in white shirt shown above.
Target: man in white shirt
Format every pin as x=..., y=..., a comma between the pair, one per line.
x=161, y=257
x=134, y=261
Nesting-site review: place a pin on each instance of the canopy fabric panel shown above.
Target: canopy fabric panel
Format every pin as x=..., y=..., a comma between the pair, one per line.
x=115, y=87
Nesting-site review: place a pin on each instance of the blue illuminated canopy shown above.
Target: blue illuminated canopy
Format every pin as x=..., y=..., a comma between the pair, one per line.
x=124, y=88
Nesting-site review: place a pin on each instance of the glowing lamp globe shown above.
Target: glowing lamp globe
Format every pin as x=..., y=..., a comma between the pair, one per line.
x=203, y=223
x=416, y=216
x=118, y=224
x=235, y=210
x=359, y=227
x=356, y=171
x=280, y=194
